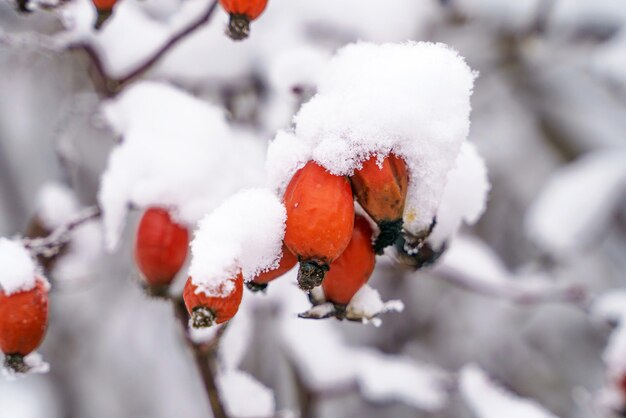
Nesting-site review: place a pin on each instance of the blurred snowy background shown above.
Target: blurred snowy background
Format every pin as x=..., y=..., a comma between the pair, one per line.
x=548, y=117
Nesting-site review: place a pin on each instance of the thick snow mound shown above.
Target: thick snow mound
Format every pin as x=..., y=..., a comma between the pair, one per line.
x=412, y=99
x=176, y=151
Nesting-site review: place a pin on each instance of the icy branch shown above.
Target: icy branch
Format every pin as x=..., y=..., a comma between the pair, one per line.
x=471, y=265
x=51, y=244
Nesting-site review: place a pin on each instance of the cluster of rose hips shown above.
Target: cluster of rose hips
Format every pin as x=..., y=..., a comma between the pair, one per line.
x=333, y=245
x=241, y=12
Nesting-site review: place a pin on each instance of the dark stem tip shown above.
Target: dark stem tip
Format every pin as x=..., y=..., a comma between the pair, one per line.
x=157, y=291
x=202, y=317
x=340, y=311
x=311, y=274
x=256, y=287
x=16, y=363
x=22, y=6
x=238, y=27
x=389, y=233
x=102, y=17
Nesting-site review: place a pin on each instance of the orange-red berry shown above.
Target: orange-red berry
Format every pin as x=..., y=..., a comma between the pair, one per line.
x=242, y=12
x=160, y=247
x=320, y=218
x=287, y=262
x=381, y=191
x=208, y=310
x=23, y=323
x=354, y=266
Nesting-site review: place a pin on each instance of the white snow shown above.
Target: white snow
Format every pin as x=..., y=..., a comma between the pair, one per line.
x=17, y=268
x=470, y=263
x=177, y=152
x=366, y=304
x=609, y=60
x=611, y=307
x=234, y=343
x=384, y=378
x=474, y=259
x=298, y=66
x=56, y=204
x=85, y=249
x=576, y=203
x=326, y=362
x=244, y=396
x=464, y=197
x=286, y=154
x=244, y=234
x=410, y=98
x=489, y=400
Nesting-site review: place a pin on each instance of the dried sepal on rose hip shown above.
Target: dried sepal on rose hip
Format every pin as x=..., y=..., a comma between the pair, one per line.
x=286, y=263
x=205, y=310
x=23, y=323
x=320, y=218
x=104, y=10
x=380, y=188
x=242, y=12
x=353, y=268
x=161, y=247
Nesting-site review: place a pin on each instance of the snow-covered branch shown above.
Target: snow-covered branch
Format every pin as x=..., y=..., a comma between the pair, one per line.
x=469, y=264
x=51, y=244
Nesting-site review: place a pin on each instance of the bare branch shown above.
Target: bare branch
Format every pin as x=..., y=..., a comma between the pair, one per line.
x=206, y=358
x=112, y=86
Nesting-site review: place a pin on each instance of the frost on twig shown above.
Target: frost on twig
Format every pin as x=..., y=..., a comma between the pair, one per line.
x=366, y=306
x=471, y=265
x=489, y=400
x=52, y=243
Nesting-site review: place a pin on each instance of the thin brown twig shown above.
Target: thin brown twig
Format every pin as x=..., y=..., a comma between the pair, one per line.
x=205, y=355
x=111, y=86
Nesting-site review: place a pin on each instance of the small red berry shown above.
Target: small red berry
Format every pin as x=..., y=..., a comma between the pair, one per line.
x=320, y=218
x=160, y=247
x=354, y=266
x=23, y=323
x=287, y=262
x=242, y=12
x=381, y=191
x=207, y=310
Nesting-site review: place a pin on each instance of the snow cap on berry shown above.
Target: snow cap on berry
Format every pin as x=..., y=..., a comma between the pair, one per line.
x=17, y=268
x=412, y=99
x=244, y=234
